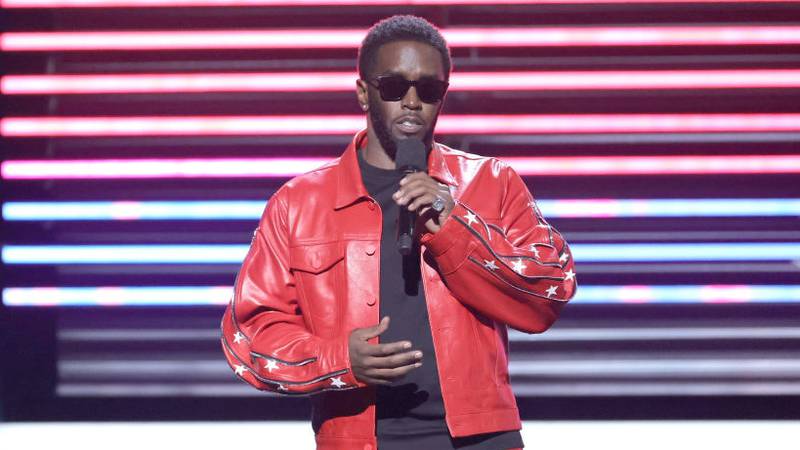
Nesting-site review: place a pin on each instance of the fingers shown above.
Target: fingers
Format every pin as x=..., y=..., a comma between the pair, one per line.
x=377, y=330
x=419, y=189
x=387, y=349
x=395, y=361
x=386, y=376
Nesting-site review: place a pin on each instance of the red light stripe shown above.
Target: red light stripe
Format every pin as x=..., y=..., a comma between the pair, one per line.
x=344, y=81
x=457, y=37
x=287, y=167
x=449, y=124
x=191, y=3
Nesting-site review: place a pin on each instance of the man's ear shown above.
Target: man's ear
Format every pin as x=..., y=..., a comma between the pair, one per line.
x=362, y=94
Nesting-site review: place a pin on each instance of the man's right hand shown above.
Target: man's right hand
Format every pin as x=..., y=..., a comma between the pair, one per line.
x=380, y=363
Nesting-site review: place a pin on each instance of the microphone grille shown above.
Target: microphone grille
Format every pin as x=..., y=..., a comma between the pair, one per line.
x=411, y=154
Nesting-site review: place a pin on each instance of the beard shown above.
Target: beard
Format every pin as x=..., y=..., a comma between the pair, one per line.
x=379, y=126
x=388, y=142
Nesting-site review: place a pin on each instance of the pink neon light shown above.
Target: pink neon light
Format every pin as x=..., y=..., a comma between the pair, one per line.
x=345, y=81
x=452, y=124
x=287, y=167
x=187, y=3
x=457, y=37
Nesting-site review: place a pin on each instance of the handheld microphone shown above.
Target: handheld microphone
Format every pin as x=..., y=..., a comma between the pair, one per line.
x=410, y=157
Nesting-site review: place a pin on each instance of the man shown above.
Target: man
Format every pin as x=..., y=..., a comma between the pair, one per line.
x=400, y=351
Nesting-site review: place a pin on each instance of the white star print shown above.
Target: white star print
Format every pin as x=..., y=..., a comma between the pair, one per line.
x=470, y=218
x=238, y=337
x=240, y=369
x=563, y=257
x=282, y=388
x=337, y=382
x=271, y=365
x=535, y=250
x=490, y=264
x=569, y=275
x=551, y=291
x=519, y=267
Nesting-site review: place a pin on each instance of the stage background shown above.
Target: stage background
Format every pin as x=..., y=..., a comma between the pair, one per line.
x=661, y=138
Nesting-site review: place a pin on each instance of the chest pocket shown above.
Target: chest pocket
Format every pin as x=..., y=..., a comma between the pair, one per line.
x=319, y=273
x=315, y=258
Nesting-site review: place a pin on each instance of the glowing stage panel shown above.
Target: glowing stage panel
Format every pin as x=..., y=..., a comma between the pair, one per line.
x=251, y=210
x=221, y=295
x=345, y=81
x=234, y=254
x=289, y=167
x=206, y=3
x=467, y=124
x=456, y=37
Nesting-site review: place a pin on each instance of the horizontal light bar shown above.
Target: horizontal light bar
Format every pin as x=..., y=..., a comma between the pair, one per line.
x=286, y=167
x=555, y=334
x=456, y=37
x=123, y=254
x=131, y=210
x=117, y=296
x=447, y=124
x=345, y=81
x=234, y=254
x=198, y=3
x=251, y=210
x=220, y=295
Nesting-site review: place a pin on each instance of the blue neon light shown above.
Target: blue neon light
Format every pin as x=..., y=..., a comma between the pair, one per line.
x=220, y=295
x=234, y=254
x=244, y=210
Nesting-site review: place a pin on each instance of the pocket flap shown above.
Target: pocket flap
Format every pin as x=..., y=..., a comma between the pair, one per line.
x=315, y=258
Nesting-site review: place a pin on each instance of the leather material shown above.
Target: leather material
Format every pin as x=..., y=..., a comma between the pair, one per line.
x=311, y=276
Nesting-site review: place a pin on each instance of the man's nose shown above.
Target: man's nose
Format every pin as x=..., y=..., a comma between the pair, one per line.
x=411, y=99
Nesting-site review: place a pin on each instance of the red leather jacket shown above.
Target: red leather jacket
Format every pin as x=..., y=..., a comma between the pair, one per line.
x=312, y=275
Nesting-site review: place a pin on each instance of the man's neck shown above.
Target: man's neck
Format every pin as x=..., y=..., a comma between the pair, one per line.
x=375, y=155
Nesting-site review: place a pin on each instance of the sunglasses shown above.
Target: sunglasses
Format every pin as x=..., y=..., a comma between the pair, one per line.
x=395, y=87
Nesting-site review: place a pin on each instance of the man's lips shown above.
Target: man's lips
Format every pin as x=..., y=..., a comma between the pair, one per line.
x=409, y=124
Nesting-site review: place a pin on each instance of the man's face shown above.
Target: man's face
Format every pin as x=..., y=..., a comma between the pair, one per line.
x=409, y=117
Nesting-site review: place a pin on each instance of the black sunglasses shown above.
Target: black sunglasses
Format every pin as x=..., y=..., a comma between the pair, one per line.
x=395, y=87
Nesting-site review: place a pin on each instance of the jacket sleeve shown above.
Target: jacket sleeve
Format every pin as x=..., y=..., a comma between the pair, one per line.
x=517, y=270
x=264, y=337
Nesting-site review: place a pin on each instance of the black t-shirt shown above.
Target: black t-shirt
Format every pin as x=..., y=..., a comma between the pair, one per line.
x=410, y=412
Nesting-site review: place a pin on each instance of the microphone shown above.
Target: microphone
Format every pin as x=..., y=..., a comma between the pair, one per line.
x=410, y=157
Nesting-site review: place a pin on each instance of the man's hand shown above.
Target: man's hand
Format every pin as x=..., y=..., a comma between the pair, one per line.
x=380, y=363
x=417, y=192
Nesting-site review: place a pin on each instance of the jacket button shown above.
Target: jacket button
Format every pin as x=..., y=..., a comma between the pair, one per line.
x=370, y=250
x=371, y=206
x=371, y=301
x=367, y=446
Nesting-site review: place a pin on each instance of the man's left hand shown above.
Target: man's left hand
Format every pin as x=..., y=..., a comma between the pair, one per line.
x=417, y=193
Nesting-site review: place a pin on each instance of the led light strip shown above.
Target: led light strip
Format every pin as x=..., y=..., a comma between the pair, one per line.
x=200, y=3
x=220, y=295
x=447, y=124
x=286, y=167
x=457, y=37
x=234, y=254
x=345, y=81
x=251, y=210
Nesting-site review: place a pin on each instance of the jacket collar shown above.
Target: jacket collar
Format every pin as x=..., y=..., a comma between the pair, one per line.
x=350, y=187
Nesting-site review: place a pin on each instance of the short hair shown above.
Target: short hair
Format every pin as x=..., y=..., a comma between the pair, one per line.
x=400, y=28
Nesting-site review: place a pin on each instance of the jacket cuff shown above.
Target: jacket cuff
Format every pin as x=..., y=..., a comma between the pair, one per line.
x=349, y=378
x=450, y=244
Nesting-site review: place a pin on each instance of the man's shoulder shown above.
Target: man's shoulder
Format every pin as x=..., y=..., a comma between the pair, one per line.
x=466, y=164
x=321, y=177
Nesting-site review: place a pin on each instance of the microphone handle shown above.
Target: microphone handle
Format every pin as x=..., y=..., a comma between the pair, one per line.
x=405, y=226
